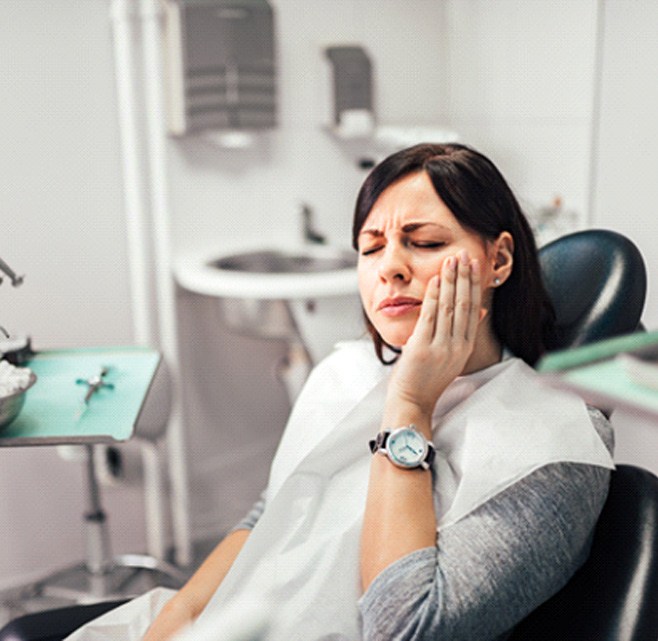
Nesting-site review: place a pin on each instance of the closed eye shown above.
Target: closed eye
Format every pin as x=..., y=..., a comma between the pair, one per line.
x=419, y=244
x=428, y=245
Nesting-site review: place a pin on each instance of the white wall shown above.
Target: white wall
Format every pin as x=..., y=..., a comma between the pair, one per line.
x=626, y=186
x=514, y=77
x=520, y=88
x=62, y=223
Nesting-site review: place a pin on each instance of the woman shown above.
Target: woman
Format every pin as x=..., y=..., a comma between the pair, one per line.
x=483, y=488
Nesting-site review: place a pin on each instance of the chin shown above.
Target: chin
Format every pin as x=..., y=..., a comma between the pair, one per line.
x=395, y=338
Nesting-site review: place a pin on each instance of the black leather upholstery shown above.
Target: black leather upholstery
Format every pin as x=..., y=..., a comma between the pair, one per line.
x=614, y=596
x=54, y=625
x=597, y=281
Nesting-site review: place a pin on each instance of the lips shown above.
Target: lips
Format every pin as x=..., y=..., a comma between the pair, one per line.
x=398, y=305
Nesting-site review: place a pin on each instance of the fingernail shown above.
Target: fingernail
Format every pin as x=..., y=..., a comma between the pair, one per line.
x=463, y=257
x=475, y=266
x=450, y=263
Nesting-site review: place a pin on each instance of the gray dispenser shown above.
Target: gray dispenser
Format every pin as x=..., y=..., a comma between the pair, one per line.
x=352, y=81
x=221, y=68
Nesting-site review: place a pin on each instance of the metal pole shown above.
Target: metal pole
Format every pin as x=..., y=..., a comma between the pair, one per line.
x=151, y=16
x=99, y=558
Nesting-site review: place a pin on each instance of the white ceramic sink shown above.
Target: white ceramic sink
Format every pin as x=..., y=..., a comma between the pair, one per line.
x=270, y=272
x=306, y=295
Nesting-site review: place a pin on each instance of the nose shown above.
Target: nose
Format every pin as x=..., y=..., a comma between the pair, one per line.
x=394, y=264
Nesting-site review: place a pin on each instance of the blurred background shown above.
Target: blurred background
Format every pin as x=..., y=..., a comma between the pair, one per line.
x=558, y=93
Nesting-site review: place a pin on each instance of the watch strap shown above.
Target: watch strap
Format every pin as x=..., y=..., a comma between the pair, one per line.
x=379, y=442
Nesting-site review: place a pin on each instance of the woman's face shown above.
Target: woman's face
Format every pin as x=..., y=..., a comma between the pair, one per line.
x=402, y=244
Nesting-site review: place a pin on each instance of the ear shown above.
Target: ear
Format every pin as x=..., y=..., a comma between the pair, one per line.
x=502, y=257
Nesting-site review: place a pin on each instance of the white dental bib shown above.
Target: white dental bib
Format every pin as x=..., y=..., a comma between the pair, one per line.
x=298, y=573
x=490, y=428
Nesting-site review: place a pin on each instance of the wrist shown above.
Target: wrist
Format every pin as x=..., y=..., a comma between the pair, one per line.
x=183, y=606
x=398, y=414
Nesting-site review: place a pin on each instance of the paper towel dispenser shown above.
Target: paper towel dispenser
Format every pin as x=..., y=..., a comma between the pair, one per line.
x=221, y=69
x=354, y=112
x=353, y=123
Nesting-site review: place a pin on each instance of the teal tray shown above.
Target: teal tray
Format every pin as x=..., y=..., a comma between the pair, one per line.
x=54, y=412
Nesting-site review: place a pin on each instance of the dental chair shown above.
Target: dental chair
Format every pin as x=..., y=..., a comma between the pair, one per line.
x=614, y=595
x=597, y=281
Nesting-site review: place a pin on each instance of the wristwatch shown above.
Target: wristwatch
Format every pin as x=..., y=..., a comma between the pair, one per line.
x=405, y=447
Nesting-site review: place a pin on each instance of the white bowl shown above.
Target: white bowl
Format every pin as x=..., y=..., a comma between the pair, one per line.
x=12, y=404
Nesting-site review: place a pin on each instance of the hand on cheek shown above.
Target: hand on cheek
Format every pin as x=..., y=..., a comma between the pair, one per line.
x=444, y=337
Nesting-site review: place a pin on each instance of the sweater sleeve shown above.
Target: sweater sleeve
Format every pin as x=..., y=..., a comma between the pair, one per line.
x=492, y=568
x=248, y=522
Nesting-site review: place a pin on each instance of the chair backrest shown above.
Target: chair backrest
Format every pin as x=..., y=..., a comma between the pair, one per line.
x=614, y=595
x=597, y=281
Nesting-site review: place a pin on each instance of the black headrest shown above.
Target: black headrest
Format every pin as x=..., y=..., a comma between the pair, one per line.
x=597, y=282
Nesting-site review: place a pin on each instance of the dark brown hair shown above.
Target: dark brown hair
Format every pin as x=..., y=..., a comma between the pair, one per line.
x=478, y=196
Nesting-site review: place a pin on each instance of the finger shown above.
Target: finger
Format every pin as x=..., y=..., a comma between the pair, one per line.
x=475, y=315
x=446, y=307
x=462, y=296
x=426, y=324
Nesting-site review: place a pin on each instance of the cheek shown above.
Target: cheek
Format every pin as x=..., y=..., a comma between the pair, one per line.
x=365, y=283
x=429, y=268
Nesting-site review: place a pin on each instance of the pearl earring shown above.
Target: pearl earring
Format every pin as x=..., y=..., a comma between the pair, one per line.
x=496, y=281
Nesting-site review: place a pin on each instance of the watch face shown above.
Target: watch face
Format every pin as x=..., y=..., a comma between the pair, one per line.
x=407, y=448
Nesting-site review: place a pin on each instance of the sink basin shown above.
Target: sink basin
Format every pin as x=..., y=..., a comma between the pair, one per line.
x=306, y=295
x=278, y=261
x=276, y=272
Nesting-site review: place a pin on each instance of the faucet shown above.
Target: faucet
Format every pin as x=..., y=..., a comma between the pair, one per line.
x=309, y=233
x=15, y=279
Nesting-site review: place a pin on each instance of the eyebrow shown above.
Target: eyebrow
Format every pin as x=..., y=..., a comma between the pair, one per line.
x=407, y=229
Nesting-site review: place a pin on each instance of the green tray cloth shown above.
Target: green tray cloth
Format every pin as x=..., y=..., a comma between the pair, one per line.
x=54, y=412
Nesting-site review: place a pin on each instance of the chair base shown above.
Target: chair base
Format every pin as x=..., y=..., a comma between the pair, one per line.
x=127, y=576
x=102, y=576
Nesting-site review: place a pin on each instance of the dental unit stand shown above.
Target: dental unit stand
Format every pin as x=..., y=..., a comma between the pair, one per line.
x=101, y=575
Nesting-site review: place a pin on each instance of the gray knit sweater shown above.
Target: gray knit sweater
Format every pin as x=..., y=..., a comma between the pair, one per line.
x=492, y=568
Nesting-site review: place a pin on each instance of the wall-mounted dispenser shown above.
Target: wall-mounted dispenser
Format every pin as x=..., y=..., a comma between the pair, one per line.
x=221, y=70
x=353, y=114
x=352, y=122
